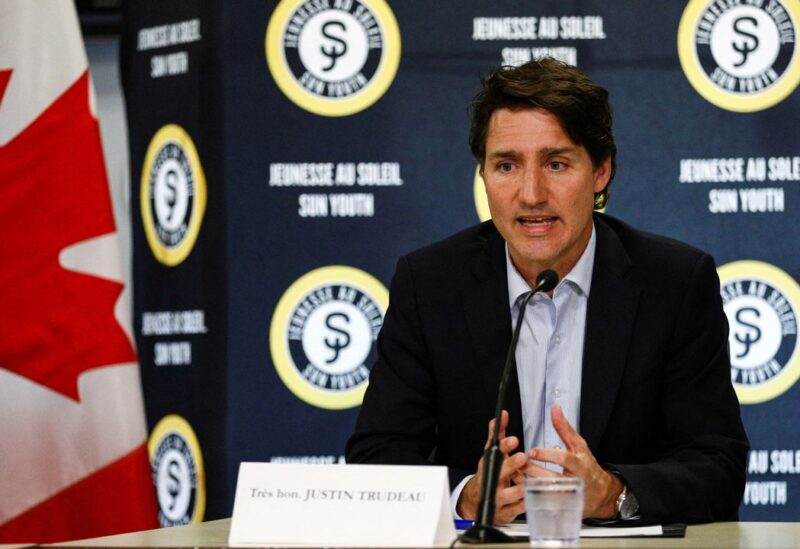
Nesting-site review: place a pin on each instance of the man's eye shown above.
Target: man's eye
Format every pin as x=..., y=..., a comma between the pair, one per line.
x=556, y=165
x=505, y=166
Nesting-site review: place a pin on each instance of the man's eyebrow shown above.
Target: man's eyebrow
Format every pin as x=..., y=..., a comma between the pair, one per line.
x=555, y=151
x=505, y=154
x=544, y=153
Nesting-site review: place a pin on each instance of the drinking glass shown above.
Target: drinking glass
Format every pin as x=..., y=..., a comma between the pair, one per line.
x=554, y=506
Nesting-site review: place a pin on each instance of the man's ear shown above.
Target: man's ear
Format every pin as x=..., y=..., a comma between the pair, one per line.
x=602, y=174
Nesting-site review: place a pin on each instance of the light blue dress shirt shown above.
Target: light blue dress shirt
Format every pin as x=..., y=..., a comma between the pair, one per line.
x=550, y=350
x=549, y=353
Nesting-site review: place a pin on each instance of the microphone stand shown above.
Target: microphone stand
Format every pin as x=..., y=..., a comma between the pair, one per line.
x=484, y=531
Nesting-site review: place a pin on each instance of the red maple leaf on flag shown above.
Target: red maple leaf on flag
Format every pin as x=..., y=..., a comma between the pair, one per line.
x=55, y=323
x=5, y=76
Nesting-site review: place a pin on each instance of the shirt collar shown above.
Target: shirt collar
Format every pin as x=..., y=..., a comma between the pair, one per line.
x=579, y=278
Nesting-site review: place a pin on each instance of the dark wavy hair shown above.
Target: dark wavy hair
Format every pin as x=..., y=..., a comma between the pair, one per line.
x=580, y=105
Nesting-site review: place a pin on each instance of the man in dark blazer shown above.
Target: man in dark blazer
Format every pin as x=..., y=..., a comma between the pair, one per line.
x=659, y=422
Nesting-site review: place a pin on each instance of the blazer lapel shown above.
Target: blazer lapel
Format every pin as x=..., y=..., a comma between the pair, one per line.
x=489, y=324
x=610, y=316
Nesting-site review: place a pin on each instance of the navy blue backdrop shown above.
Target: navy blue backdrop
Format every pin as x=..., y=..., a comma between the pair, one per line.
x=285, y=154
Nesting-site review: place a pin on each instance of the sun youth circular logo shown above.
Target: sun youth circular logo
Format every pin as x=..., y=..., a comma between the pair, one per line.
x=323, y=333
x=761, y=303
x=178, y=473
x=479, y=196
x=333, y=57
x=172, y=195
x=741, y=56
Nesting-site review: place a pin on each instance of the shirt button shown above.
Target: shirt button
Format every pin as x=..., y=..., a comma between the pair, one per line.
x=557, y=447
x=558, y=338
x=556, y=394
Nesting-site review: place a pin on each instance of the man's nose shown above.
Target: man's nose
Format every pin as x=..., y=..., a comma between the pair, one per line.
x=533, y=187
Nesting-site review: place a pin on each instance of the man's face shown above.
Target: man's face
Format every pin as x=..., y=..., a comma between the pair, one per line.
x=540, y=187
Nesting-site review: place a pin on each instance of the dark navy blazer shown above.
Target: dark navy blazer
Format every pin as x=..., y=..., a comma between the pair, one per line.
x=657, y=404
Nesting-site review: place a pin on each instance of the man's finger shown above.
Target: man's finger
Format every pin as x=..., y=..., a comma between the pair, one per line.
x=510, y=495
x=506, y=513
x=510, y=502
x=509, y=444
x=503, y=425
x=511, y=465
x=564, y=459
x=533, y=470
x=567, y=433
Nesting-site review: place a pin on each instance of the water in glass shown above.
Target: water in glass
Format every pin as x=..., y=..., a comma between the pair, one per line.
x=554, y=507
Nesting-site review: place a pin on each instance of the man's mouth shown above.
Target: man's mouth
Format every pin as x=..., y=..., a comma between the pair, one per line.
x=537, y=220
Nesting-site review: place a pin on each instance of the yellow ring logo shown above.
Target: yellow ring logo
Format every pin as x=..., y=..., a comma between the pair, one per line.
x=172, y=195
x=333, y=58
x=178, y=472
x=740, y=56
x=323, y=333
x=479, y=195
x=761, y=303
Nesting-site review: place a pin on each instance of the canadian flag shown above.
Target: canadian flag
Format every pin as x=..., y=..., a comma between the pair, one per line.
x=73, y=454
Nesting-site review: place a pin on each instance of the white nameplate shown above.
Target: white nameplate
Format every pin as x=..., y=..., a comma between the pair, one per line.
x=341, y=506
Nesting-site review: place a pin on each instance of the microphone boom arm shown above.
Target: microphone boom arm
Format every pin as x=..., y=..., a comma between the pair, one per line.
x=484, y=531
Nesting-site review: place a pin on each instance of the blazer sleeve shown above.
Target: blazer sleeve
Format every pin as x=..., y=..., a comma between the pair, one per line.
x=698, y=473
x=397, y=420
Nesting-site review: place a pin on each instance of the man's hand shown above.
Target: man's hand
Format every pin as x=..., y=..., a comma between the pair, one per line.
x=601, y=488
x=509, y=500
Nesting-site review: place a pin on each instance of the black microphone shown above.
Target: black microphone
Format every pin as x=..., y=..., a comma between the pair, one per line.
x=484, y=531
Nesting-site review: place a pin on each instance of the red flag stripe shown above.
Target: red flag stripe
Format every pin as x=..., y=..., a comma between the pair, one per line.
x=121, y=502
